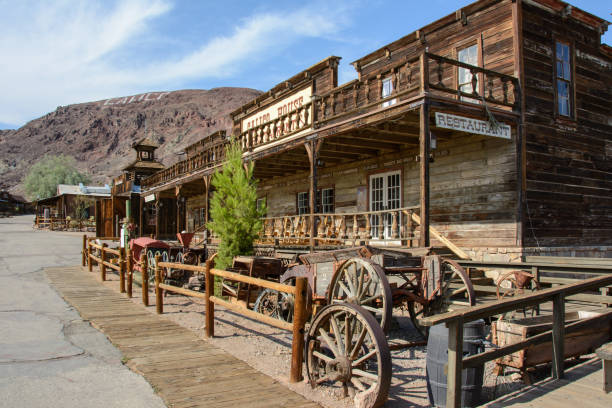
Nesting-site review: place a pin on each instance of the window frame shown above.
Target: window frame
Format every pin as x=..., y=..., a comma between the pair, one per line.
x=571, y=94
x=319, y=202
x=479, y=62
x=389, y=81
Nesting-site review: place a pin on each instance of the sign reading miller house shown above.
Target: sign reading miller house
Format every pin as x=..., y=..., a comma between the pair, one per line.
x=470, y=125
x=276, y=110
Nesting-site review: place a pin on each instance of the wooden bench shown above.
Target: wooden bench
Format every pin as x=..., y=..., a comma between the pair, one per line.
x=605, y=353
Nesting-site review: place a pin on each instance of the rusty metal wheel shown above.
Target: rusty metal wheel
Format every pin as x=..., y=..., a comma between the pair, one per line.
x=361, y=282
x=275, y=304
x=346, y=347
x=517, y=283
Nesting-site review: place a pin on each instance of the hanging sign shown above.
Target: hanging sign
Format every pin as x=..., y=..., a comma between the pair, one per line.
x=149, y=198
x=471, y=125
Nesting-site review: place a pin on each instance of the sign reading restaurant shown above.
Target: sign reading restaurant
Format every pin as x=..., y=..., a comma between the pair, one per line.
x=278, y=109
x=470, y=125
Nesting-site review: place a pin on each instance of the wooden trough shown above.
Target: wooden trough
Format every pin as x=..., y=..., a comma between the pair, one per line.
x=577, y=343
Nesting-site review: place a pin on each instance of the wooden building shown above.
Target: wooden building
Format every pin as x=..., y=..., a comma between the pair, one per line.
x=69, y=199
x=491, y=125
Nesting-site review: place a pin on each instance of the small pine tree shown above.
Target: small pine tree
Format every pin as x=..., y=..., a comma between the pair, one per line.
x=233, y=207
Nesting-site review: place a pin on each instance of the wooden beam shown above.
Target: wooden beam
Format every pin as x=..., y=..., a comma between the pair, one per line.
x=424, y=174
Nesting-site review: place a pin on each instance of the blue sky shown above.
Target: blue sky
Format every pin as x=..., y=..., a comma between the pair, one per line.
x=63, y=52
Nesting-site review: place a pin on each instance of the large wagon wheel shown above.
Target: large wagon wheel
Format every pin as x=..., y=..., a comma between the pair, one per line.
x=454, y=292
x=517, y=283
x=361, y=282
x=275, y=304
x=345, y=346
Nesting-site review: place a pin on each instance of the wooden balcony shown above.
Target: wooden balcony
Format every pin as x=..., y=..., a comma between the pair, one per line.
x=123, y=184
x=387, y=227
x=203, y=160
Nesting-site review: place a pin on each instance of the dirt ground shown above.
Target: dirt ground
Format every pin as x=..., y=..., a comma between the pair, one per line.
x=268, y=350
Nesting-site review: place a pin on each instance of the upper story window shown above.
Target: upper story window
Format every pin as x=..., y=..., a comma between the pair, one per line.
x=325, y=201
x=564, y=82
x=387, y=90
x=468, y=55
x=303, y=206
x=144, y=154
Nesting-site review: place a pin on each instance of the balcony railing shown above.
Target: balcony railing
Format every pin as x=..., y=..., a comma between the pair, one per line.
x=394, y=226
x=281, y=128
x=123, y=183
x=203, y=160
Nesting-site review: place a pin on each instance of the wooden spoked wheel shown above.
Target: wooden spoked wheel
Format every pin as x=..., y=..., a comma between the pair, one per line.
x=454, y=291
x=517, y=283
x=275, y=304
x=346, y=347
x=361, y=282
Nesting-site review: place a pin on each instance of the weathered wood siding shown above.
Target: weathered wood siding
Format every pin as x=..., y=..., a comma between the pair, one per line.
x=569, y=162
x=473, y=188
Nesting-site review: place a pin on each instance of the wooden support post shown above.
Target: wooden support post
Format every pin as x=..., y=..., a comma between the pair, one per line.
x=144, y=265
x=141, y=217
x=84, y=257
x=157, y=208
x=455, y=362
x=89, y=260
x=122, y=267
x=424, y=173
x=558, y=336
x=210, y=306
x=159, y=292
x=102, y=266
x=312, y=149
x=130, y=271
x=299, y=319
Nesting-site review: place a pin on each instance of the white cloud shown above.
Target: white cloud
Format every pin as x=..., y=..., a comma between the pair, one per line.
x=66, y=52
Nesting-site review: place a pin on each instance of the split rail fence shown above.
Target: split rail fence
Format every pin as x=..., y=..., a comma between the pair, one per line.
x=120, y=260
x=558, y=295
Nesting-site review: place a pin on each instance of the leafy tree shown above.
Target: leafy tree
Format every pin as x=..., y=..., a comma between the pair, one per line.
x=233, y=207
x=44, y=176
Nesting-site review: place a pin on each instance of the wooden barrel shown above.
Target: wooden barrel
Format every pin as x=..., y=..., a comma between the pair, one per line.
x=437, y=357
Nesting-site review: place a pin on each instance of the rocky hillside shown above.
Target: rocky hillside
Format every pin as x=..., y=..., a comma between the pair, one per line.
x=99, y=134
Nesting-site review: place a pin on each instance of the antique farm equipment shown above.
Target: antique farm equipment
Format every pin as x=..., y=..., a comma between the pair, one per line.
x=262, y=267
x=146, y=246
x=517, y=283
x=379, y=279
x=577, y=343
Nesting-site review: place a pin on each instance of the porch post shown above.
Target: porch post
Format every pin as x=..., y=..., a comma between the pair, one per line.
x=424, y=172
x=141, y=216
x=312, y=149
x=157, y=207
x=177, y=193
x=206, y=205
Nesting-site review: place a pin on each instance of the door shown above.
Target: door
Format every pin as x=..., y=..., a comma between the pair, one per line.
x=385, y=194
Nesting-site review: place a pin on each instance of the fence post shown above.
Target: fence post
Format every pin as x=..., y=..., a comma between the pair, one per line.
x=84, y=252
x=102, y=266
x=159, y=294
x=144, y=265
x=130, y=269
x=558, y=336
x=299, y=319
x=89, y=260
x=210, y=307
x=455, y=360
x=121, y=270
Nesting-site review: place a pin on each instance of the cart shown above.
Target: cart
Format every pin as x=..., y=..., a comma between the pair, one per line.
x=353, y=292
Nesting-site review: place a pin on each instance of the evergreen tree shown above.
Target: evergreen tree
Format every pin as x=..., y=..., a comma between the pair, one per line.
x=233, y=208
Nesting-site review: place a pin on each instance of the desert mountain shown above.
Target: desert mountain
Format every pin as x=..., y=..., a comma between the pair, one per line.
x=99, y=134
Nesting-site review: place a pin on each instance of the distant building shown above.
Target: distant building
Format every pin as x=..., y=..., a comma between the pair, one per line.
x=12, y=204
x=66, y=202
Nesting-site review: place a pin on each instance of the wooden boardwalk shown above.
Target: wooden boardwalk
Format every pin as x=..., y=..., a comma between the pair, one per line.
x=582, y=387
x=183, y=369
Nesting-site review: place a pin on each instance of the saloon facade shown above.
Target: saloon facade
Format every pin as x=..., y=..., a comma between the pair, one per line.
x=490, y=125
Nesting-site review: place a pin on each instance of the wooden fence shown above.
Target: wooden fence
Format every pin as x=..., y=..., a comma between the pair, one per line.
x=299, y=307
x=558, y=295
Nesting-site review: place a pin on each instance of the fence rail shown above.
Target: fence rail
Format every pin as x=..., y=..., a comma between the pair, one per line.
x=558, y=295
x=299, y=311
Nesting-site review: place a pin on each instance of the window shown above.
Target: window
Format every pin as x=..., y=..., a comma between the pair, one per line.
x=325, y=201
x=261, y=202
x=199, y=216
x=144, y=155
x=387, y=90
x=563, y=78
x=467, y=55
x=302, y=203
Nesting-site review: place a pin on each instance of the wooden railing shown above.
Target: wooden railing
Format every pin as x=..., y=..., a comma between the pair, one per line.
x=280, y=128
x=63, y=224
x=342, y=228
x=105, y=257
x=202, y=160
x=299, y=306
x=558, y=295
x=498, y=89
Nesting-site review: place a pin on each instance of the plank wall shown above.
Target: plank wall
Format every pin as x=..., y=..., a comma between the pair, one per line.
x=473, y=188
x=569, y=162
